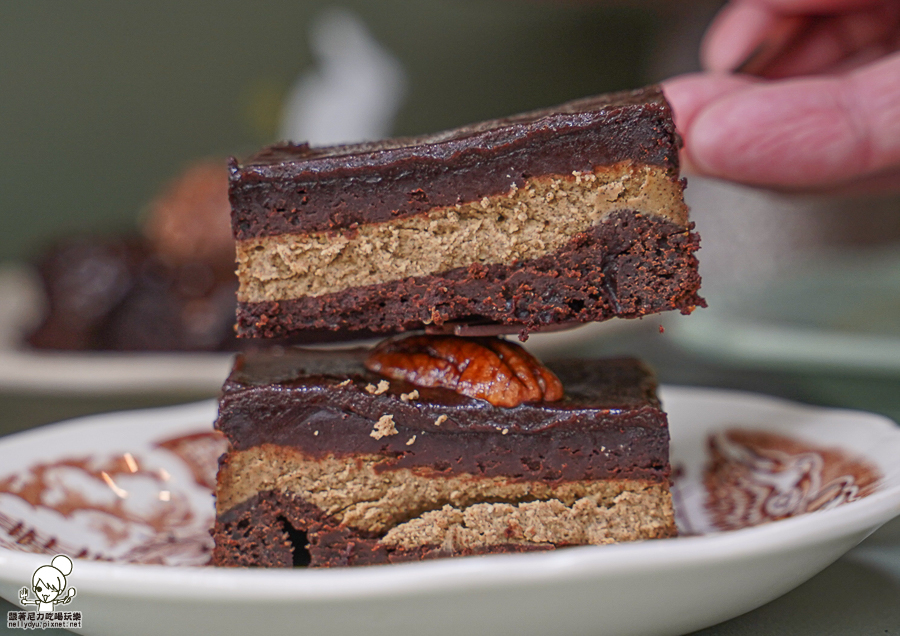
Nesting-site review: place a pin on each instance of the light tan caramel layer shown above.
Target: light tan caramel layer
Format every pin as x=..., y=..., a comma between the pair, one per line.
x=524, y=224
x=407, y=502
x=640, y=514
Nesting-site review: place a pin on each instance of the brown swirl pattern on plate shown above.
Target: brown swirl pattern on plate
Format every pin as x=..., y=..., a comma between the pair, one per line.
x=200, y=452
x=755, y=477
x=132, y=507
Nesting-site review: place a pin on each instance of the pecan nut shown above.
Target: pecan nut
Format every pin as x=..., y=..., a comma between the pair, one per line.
x=491, y=369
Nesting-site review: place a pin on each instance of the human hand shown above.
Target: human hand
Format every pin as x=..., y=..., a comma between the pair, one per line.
x=822, y=110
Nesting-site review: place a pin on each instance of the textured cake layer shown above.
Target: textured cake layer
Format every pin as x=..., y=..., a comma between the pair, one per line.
x=363, y=492
x=627, y=265
x=522, y=225
x=298, y=189
x=278, y=529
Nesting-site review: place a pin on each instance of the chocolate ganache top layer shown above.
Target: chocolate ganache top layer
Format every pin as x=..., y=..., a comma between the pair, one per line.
x=292, y=188
x=609, y=424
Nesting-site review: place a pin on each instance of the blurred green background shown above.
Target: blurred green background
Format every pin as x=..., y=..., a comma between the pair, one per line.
x=101, y=102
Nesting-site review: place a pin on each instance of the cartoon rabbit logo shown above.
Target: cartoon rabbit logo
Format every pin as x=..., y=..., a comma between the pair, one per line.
x=49, y=585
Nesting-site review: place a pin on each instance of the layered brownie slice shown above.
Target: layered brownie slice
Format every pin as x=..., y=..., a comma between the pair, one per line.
x=435, y=446
x=564, y=215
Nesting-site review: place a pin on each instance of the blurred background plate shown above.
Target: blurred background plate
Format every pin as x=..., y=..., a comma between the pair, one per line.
x=26, y=369
x=836, y=313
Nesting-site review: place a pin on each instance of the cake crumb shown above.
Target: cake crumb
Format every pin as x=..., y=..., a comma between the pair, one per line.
x=411, y=440
x=345, y=382
x=412, y=395
x=440, y=420
x=504, y=431
x=383, y=385
x=384, y=427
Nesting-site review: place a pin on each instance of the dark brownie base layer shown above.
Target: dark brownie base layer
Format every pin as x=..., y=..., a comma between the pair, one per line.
x=628, y=266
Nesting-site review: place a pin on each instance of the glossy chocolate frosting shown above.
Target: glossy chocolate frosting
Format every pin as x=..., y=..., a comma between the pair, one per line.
x=292, y=188
x=608, y=425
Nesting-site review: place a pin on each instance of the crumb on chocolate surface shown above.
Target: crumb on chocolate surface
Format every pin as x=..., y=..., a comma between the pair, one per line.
x=383, y=386
x=384, y=427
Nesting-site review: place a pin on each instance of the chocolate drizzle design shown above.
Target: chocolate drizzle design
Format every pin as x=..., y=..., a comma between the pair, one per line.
x=122, y=508
x=754, y=477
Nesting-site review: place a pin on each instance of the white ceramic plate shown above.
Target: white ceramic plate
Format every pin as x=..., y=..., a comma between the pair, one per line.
x=829, y=477
x=24, y=369
x=838, y=313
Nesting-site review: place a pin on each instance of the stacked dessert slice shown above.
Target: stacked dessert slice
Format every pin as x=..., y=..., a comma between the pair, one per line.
x=573, y=214
x=331, y=471
x=438, y=445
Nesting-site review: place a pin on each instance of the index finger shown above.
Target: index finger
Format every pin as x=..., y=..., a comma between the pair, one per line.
x=808, y=133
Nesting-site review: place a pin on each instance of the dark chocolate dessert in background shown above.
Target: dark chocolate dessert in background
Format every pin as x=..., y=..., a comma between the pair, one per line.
x=332, y=464
x=116, y=294
x=169, y=288
x=565, y=215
